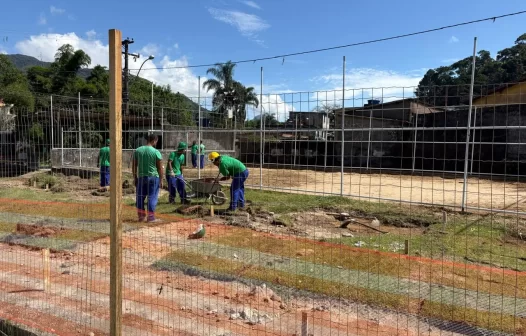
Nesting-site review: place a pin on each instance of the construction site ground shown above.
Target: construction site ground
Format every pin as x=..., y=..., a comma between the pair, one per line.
x=257, y=271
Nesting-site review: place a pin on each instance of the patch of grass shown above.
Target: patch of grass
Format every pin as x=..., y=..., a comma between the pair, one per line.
x=376, y=263
x=80, y=235
x=202, y=265
x=32, y=194
x=42, y=180
x=7, y=227
x=387, y=213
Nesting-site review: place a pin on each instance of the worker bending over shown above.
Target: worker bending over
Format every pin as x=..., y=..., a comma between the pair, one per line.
x=230, y=167
x=147, y=167
x=174, y=174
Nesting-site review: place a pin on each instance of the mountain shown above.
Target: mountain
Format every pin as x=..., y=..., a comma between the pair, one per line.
x=23, y=62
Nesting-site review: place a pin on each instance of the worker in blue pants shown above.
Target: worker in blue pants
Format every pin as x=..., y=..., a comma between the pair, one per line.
x=174, y=174
x=234, y=169
x=202, y=154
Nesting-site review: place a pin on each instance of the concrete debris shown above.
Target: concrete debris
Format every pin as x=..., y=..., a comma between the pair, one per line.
x=249, y=316
x=360, y=244
x=375, y=222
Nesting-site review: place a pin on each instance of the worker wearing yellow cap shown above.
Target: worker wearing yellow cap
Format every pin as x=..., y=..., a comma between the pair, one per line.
x=230, y=167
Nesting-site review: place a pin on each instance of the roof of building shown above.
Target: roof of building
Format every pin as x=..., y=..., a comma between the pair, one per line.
x=387, y=104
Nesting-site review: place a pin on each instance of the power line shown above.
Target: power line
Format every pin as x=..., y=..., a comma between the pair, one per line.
x=493, y=18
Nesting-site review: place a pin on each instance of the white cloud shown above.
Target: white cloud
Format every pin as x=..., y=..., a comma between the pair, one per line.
x=366, y=83
x=251, y=4
x=149, y=49
x=182, y=80
x=176, y=46
x=453, y=39
x=248, y=25
x=91, y=34
x=3, y=52
x=42, y=19
x=56, y=11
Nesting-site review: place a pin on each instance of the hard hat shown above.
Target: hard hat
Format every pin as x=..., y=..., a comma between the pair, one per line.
x=182, y=146
x=107, y=141
x=213, y=155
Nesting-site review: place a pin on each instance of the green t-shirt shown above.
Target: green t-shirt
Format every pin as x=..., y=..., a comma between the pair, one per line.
x=147, y=157
x=194, y=149
x=178, y=160
x=202, y=149
x=104, y=156
x=230, y=166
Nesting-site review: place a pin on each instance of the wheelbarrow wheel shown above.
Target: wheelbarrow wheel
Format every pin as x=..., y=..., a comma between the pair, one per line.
x=219, y=198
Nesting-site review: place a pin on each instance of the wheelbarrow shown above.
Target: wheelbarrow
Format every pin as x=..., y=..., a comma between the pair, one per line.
x=206, y=188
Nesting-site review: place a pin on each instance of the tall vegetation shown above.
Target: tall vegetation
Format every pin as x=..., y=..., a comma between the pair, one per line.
x=229, y=94
x=449, y=85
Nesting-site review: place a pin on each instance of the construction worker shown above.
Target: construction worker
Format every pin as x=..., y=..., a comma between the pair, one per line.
x=202, y=152
x=147, y=168
x=174, y=174
x=194, y=154
x=230, y=167
x=103, y=162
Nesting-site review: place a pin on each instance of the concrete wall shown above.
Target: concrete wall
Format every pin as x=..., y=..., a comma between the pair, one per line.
x=87, y=157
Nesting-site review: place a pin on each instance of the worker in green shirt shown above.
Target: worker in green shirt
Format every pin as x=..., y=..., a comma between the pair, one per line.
x=147, y=168
x=194, y=154
x=230, y=167
x=202, y=152
x=103, y=162
x=174, y=174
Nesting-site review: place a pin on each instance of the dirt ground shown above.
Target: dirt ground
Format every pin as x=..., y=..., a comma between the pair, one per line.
x=168, y=303
x=431, y=190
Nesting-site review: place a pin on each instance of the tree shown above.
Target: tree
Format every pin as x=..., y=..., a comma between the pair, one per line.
x=449, y=85
x=14, y=87
x=68, y=62
x=228, y=93
x=245, y=96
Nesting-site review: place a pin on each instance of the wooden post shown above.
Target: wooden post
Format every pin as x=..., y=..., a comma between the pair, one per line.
x=444, y=220
x=406, y=246
x=304, y=324
x=115, y=61
x=46, y=268
x=211, y=210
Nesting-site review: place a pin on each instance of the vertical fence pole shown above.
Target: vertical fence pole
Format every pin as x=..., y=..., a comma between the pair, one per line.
x=162, y=129
x=62, y=147
x=295, y=138
x=369, y=136
x=414, y=142
x=80, y=137
x=468, y=131
x=198, y=126
x=342, y=157
x=474, y=134
x=304, y=324
x=52, y=123
x=115, y=46
x=152, y=106
x=261, y=132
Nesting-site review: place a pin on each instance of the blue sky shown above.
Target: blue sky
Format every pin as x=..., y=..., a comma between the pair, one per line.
x=208, y=31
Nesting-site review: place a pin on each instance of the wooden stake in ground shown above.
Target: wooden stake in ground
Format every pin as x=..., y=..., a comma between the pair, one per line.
x=115, y=61
x=212, y=210
x=304, y=324
x=47, y=269
x=406, y=247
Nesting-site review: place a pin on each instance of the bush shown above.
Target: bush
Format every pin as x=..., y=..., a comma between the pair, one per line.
x=42, y=180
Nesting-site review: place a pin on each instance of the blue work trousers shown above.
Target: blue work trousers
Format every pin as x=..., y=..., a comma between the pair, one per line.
x=176, y=184
x=104, y=176
x=194, y=160
x=147, y=186
x=202, y=161
x=237, y=190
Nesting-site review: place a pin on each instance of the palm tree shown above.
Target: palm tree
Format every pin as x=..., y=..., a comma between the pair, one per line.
x=245, y=96
x=228, y=93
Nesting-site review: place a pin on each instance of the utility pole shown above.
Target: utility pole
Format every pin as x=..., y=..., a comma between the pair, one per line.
x=125, y=91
